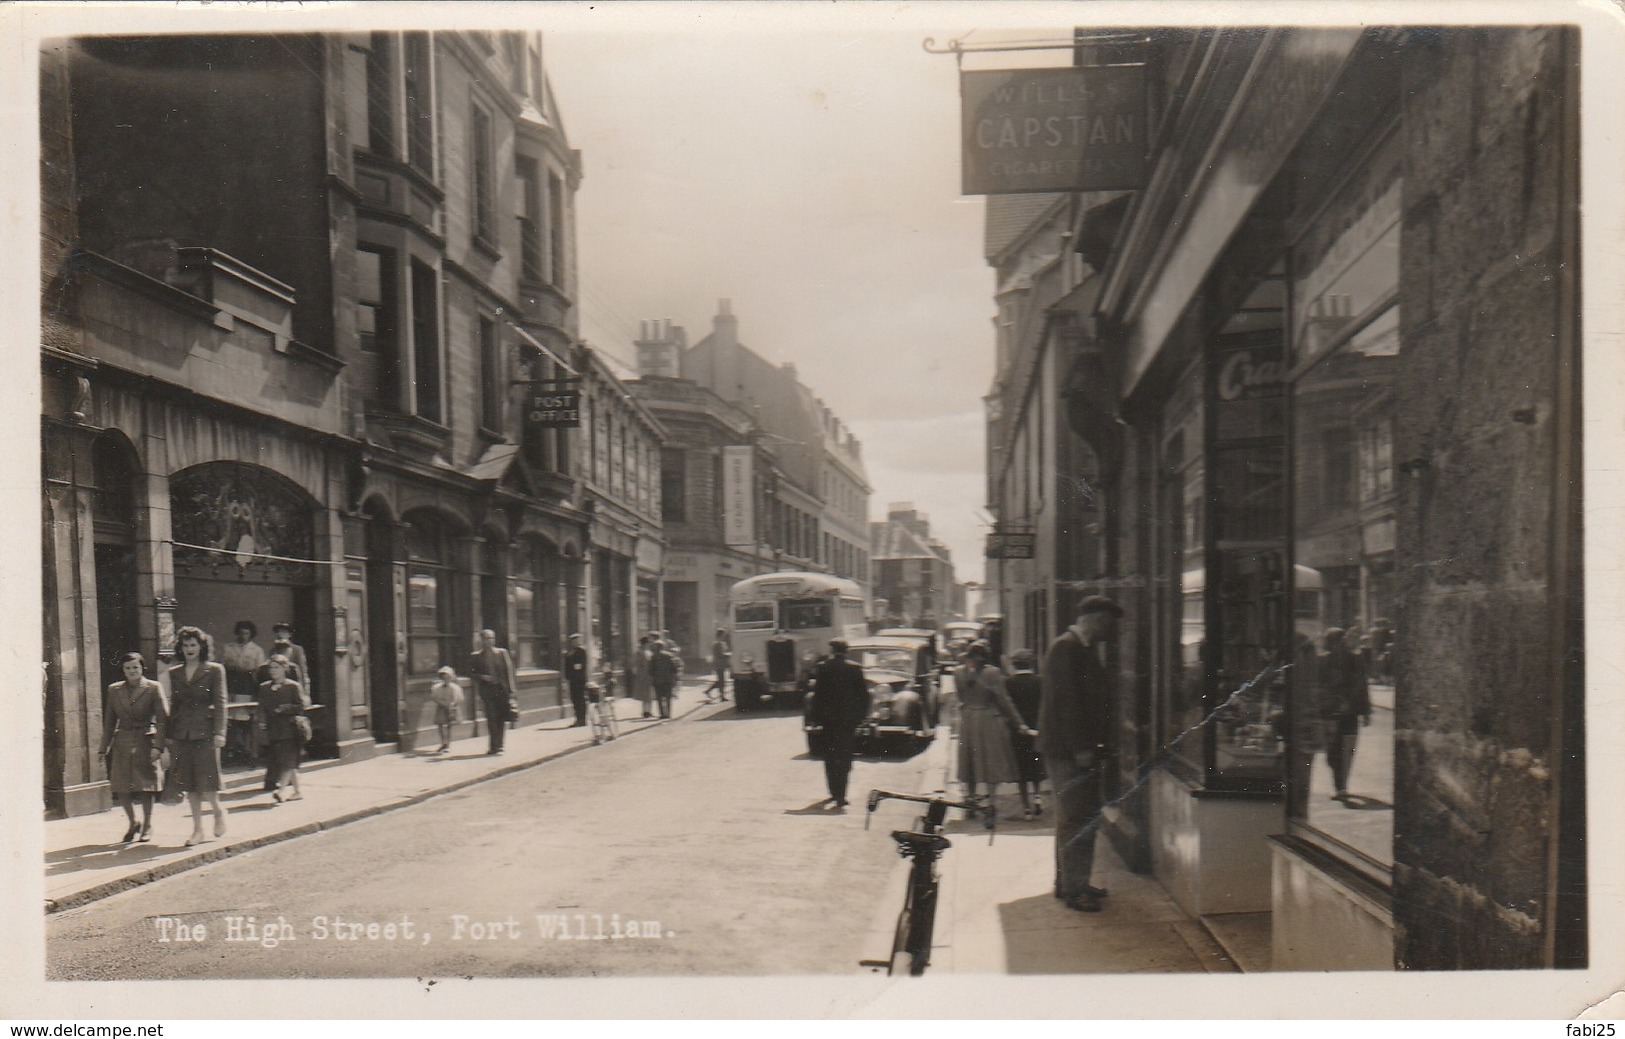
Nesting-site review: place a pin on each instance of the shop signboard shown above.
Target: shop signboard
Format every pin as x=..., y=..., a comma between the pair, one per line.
x=554, y=409
x=1056, y=129
x=738, y=497
x=1007, y=545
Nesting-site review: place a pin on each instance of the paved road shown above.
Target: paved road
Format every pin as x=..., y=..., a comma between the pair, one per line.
x=693, y=849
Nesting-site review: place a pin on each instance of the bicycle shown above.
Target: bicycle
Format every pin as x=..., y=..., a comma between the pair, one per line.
x=601, y=707
x=911, y=941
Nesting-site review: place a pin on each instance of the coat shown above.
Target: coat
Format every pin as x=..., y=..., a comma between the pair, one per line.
x=987, y=724
x=1075, y=710
x=663, y=670
x=197, y=709
x=575, y=667
x=840, y=699
x=133, y=722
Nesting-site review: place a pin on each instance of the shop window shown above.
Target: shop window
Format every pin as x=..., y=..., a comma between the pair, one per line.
x=532, y=591
x=1341, y=784
x=1343, y=695
x=431, y=639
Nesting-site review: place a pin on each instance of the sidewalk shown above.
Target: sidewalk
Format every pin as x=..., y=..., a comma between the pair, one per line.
x=82, y=862
x=997, y=914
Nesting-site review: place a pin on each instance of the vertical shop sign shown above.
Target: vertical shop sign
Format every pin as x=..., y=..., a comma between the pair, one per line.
x=738, y=498
x=1063, y=129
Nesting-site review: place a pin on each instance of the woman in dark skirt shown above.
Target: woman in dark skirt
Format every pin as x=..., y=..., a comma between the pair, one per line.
x=135, y=714
x=282, y=705
x=197, y=727
x=1025, y=692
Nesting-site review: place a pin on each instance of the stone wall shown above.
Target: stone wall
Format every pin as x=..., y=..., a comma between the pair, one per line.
x=1476, y=453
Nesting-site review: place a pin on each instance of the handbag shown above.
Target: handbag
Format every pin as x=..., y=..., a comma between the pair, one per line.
x=302, y=723
x=171, y=793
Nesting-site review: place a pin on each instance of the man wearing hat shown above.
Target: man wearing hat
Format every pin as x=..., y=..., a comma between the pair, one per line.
x=840, y=701
x=1074, y=726
x=493, y=672
x=575, y=676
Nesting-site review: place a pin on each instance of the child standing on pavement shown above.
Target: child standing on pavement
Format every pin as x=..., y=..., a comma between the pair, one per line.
x=447, y=696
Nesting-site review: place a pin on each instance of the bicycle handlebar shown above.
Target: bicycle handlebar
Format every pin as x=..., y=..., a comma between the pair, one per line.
x=990, y=816
x=877, y=796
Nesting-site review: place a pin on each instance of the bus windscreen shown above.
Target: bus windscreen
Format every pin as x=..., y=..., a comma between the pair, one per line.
x=753, y=616
x=801, y=614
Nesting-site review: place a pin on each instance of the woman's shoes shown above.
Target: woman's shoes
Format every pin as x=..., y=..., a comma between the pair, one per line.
x=276, y=795
x=146, y=833
x=130, y=834
x=196, y=839
x=220, y=824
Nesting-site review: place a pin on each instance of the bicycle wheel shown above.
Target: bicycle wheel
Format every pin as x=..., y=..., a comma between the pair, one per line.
x=911, y=942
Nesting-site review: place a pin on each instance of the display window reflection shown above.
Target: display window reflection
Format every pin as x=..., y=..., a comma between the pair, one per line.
x=1345, y=635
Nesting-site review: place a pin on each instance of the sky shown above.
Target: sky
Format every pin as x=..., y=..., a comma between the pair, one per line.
x=810, y=175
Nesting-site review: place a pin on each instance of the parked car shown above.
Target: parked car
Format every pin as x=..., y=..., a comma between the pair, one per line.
x=903, y=698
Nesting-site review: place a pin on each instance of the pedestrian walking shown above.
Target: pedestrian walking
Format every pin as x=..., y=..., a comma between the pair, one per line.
x=492, y=668
x=197, y=728
x=297, y=672
x=1345, y=705
x=447, y=696
x=243, y=658
x=287, y=729
x=721, y=661
x=663, y=672
x=575, y=678
x=642, y=663
x=988, y=722
x=1026, y=693
x=1074, y=723
x=840, y=702
x=134, y=717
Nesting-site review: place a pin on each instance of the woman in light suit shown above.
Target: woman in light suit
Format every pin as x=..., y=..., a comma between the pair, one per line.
x=197, y=727
x=135, y=714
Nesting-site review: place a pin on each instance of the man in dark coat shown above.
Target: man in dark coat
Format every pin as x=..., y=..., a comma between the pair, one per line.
x=839, y=704
x=1345, y=705
x=492, y=668
x=663, y=672
x=575, y=677
x=1074, y=727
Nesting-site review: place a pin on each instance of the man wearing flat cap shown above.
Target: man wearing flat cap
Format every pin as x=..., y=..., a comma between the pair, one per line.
x=1074, y=726
x=839, y=704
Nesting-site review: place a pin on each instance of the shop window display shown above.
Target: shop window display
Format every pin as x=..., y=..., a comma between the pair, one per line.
x=1345, y=638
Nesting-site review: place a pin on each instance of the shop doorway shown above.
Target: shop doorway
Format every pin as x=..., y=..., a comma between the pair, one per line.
x=113, y=509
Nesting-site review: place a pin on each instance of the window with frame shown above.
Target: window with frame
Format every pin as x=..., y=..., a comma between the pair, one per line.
x=483, y=188
x=532, y=591
x=555, y=230
x=430, y=625
x=418, y=82
x=529, y=218
x=380, y=129
x=1341, y=780
x=426, y=341
x=376, y=328
x=493, y=378
x=673, y=485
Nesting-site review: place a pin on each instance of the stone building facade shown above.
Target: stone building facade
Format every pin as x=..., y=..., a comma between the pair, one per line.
x=1324, y=370
x=302, y=293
